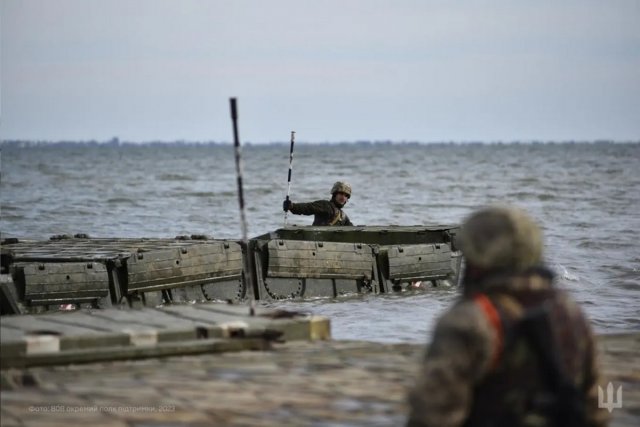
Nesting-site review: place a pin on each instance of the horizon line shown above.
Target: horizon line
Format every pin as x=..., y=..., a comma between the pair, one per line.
x=117, y=142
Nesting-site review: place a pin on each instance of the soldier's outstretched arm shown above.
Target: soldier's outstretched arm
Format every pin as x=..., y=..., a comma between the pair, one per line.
x=457, y=358
x=322, y=207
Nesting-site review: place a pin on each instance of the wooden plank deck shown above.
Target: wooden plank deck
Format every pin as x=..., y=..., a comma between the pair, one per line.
x=89, y=336
x=300, y=383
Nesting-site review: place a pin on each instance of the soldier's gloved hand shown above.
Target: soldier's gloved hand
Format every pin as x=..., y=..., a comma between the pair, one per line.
x=286, y=205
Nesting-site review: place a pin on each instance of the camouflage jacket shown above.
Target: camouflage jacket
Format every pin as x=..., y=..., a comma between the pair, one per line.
x=481, y=370
x=326, y=212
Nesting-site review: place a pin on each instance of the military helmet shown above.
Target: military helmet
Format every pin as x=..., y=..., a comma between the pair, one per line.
x=501, y=237
x=341, y=187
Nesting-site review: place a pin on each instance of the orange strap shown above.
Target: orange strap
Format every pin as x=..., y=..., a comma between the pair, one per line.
x=490, y=311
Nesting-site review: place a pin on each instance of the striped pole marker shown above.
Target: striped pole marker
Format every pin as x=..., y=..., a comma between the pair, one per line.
x=293, y=134
x=243, y=217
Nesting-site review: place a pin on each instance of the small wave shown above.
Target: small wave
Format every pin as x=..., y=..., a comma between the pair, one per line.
x=581, y=224
x=263, y=190
x=521, y=195
x=629, y=285
x=199, y=194
x=563, y=273
x=122, y=201
x=631, y=321
x=605, y=244
x=47, y=169
x=613, y=171
x=449, y=206
x=173, y=177
x=225, y=194
x=15, y=184
x=632, y=272
x=11, y=216
x=73, y=211
x=524, y=195
x=527, y=181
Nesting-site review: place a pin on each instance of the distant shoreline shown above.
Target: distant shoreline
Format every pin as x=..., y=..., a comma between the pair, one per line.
x=115, y=142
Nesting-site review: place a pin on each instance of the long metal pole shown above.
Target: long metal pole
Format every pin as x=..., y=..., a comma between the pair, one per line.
x=293, y=135
x=243, y=217
x=238, y=155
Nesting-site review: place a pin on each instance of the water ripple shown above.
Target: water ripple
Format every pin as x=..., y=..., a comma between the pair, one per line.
x=174, y=177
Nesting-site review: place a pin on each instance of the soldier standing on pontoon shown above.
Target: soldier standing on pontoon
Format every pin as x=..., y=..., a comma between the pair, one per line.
x=327, y=212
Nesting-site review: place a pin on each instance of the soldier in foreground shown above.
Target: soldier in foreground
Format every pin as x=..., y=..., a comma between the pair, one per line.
x=514, y=350
x=327, y=212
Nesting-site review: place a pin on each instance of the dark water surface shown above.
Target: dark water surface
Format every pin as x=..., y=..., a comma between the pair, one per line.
x=586, y=196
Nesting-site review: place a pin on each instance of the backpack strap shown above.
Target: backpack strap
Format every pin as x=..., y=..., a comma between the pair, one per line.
x=493, y=316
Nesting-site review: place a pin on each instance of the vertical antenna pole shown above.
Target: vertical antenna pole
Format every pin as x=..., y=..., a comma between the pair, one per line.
x=238, y=156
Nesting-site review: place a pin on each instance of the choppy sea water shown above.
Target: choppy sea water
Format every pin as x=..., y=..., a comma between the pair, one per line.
x=586, y=197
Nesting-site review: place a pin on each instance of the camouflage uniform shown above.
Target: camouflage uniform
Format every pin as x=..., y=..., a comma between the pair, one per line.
x=484, y=366
x=327, y=212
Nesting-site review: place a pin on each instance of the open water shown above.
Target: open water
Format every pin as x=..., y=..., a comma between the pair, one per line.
x=586, y=197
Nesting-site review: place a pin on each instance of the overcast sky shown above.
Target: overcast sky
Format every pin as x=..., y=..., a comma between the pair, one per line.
x=340, y=70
